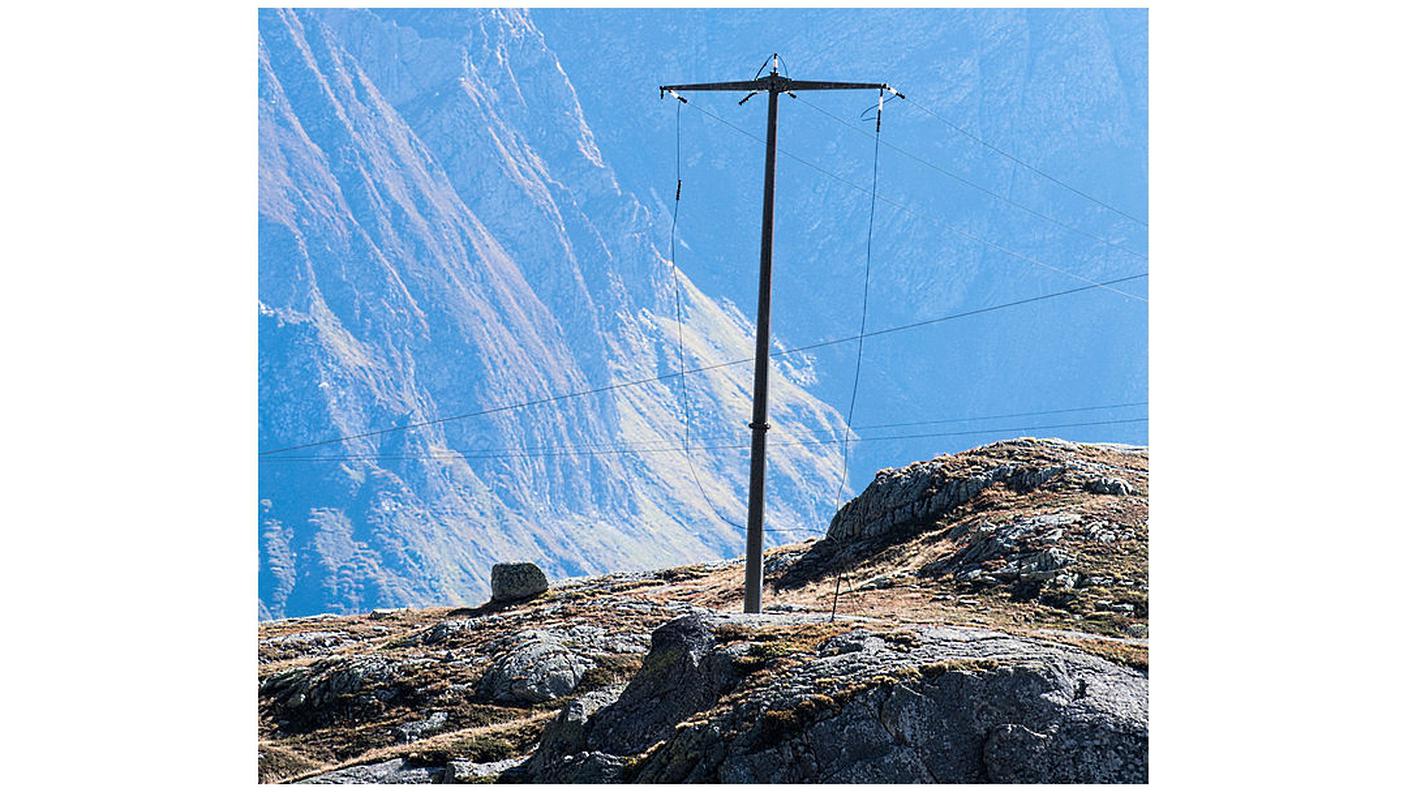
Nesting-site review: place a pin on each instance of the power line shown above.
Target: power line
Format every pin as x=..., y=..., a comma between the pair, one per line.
x=774, y=84
x=654, y=445
x=1027, y=165
x=740, y=446
x=1006, y=415
x=990, y=430
x=966, y=419
x=864, y=303
x=864, y=314
x=698, y=369
x=979, y=187
x=569, y=451
x=679, y=326
x=917, y=213
x=973, y=312
x=542, y=453
x=474, y=414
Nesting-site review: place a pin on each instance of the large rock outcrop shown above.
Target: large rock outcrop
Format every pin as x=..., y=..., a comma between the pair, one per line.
x=391, y=771
x=956, y=705
x=511, y=582
x=923, y=492
x=536, y=666
x=900, y=497
x=1032, y=666
x=337, y=688
x=684, y=673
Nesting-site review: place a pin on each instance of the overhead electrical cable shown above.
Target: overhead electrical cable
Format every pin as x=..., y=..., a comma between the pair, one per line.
x=864, y=314
x=915, y=213
x=1034, y=169
x=974, y=185
x=679, y=327
x=647, y=380
x=663, y=444
x=1006, y=415
x=454, y=455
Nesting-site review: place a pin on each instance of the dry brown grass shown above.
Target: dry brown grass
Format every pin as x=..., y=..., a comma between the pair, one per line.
x=477, y=744
x=484, y=732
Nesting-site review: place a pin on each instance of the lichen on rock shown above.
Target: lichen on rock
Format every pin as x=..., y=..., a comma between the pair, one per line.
x=945, y=704
x=536, y=666
x=511, y=582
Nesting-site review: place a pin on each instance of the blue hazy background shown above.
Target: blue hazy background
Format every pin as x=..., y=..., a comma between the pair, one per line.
x=466, y=208
x=1063, y=90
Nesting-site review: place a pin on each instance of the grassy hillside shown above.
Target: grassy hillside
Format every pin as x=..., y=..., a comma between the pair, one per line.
x=1053, y=549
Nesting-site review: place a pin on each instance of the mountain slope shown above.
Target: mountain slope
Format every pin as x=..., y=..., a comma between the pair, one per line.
x=433, y=244
x=1063, y=89
x=993, y=628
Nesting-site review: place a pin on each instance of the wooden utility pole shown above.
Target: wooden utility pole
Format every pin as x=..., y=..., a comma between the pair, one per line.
x=774, y=84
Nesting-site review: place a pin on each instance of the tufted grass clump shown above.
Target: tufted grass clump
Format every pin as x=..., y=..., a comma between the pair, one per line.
x=962, y=664
x=610, y=670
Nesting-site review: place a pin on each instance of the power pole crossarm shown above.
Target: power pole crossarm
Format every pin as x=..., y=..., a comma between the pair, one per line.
x=747, y=85
x=778, y=84
x=772, y=84
x=812, y=85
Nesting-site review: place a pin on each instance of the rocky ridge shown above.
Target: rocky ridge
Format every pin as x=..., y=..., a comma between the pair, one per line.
x=991, y=626
x=852, y=704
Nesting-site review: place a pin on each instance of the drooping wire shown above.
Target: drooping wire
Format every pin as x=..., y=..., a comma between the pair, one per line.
x=778, y=353
x=679, y=327
x=621, y=446
x=860, y=341
x=740, y=446
x=1034, y=169
x=1029, y=413
x=917, y=213
x=980, y=188
x=864, y=310
x=773, y=58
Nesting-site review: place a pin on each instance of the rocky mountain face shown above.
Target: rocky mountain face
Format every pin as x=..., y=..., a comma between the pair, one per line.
x=1065, y=90
x=991, y=626
x=461, y=209
x=440, y=234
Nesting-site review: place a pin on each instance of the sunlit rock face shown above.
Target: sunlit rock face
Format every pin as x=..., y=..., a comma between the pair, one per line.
x=440, y=234
x=461, y=209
